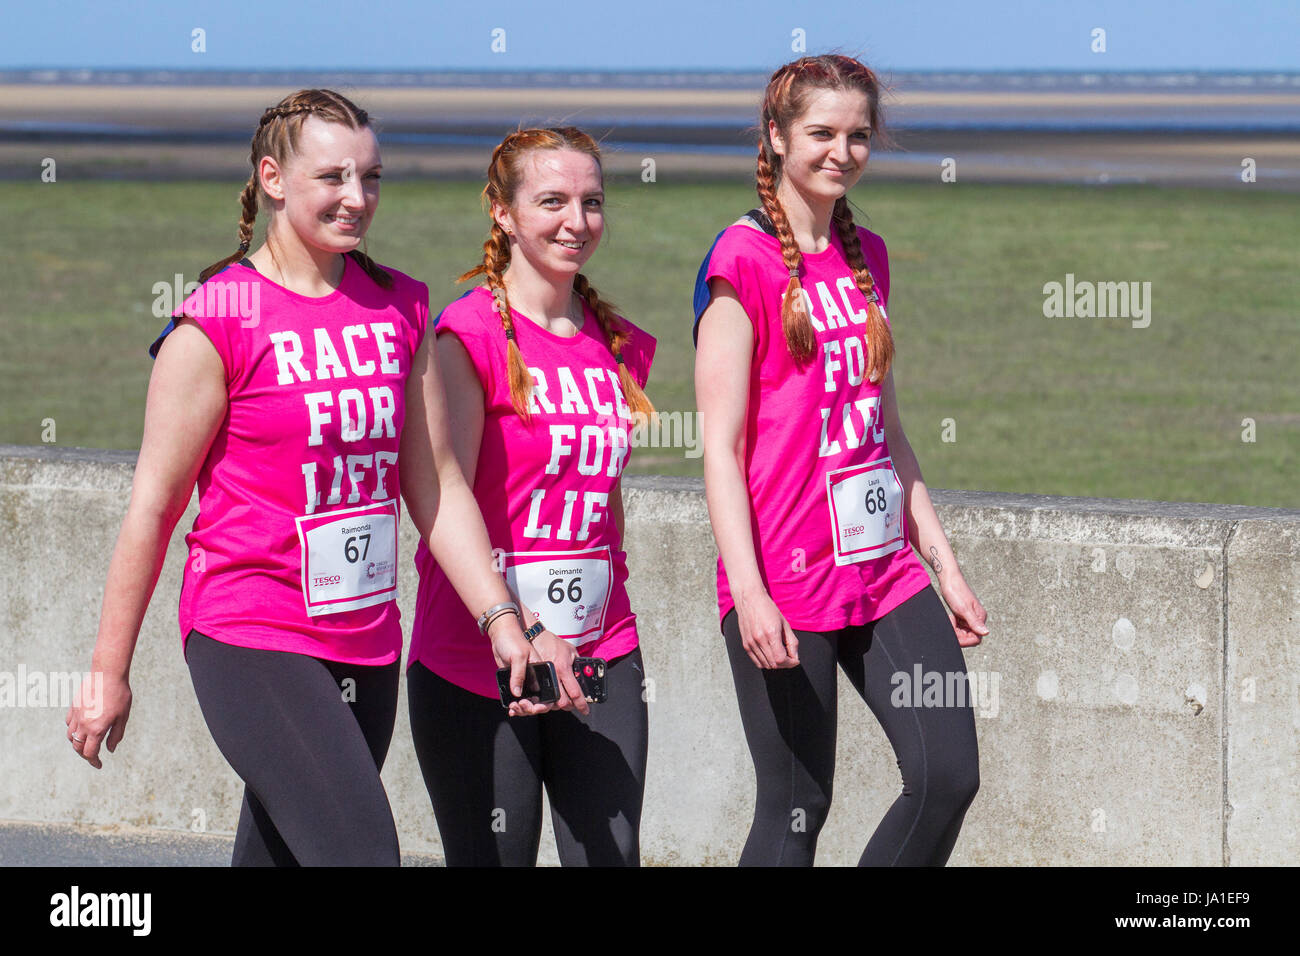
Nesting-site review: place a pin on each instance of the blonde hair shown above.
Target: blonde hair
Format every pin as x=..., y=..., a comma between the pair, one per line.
x=277, y=136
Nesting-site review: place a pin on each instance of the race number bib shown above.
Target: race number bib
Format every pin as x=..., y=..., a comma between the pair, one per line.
x=866, y=504
x=349, y=558
x=569, y=590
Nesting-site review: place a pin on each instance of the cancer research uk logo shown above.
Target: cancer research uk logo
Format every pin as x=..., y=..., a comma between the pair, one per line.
x=381, y=569
x=233, y=299
x=1101, y=300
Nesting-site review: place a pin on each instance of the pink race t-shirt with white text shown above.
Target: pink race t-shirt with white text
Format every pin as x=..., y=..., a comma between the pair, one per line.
x=545, y=489
x=828, y=522
x=295, y=545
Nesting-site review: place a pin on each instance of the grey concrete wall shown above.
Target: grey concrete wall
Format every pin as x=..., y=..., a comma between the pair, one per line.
x=1137, y=698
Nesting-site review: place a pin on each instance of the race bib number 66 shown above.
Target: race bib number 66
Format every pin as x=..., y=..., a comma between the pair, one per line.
x=349, y=558
x=568, y=590
x=866, y=503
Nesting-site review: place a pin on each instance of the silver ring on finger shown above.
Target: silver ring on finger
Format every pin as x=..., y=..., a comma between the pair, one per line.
x=80, y=740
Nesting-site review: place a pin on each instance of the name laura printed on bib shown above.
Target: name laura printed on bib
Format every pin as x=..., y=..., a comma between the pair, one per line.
x=865, y=501
x=828, y=509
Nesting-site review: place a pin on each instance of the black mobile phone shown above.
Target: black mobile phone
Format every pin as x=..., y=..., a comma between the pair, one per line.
x=590, y=674
x=539, y=681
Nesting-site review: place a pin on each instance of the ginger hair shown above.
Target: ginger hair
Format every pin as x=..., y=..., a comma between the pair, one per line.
x=505, y=176
x=784, y=101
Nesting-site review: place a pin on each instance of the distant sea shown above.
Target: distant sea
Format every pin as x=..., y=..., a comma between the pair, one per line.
x=975, y=81
x=1167, y=102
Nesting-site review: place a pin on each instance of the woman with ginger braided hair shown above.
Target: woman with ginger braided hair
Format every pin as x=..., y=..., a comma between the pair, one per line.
x=815, y=496
x=544, y=380
x=291, y=385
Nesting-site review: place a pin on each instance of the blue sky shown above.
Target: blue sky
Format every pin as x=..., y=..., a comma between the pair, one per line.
x=653, y=34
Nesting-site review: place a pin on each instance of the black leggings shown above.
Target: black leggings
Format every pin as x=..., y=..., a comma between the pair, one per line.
x=485, y=771
x=308, y=737
x=789, y=717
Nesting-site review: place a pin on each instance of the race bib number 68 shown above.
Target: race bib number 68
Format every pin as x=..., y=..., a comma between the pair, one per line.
x=866, y=503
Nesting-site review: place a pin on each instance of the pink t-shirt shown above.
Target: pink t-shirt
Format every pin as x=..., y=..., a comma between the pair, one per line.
x=827, y=508
x=295, y=545
x=545, y=491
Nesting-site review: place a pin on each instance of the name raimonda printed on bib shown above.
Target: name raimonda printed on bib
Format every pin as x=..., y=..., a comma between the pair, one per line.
x=349, y=554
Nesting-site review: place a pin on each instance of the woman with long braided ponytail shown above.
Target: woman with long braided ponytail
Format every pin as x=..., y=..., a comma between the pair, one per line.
x=815, y=496
x=291, y=385
x=544, y=382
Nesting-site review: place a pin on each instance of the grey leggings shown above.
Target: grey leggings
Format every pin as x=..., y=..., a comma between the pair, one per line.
x=308, y=737
x=485, y=771
x=790, y=722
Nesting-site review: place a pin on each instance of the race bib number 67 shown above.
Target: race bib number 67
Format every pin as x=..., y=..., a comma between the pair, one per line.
x=866, y=503
x=349, y=558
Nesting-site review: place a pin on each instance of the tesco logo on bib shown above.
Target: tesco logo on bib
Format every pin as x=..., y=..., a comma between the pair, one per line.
x=325, y=580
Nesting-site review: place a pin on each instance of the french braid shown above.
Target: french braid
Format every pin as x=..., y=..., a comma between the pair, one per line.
x=277, y=136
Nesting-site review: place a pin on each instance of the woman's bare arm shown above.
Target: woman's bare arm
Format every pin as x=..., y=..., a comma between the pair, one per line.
x=924, y=528
x=439, y=455
x=185, y=407
x=722, y=368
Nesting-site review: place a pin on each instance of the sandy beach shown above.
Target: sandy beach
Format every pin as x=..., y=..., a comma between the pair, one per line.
x=136, y=131
x=184, y=107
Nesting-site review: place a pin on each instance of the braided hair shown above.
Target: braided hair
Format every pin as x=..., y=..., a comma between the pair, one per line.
x=784, y=102
x=505, y=176
x=277, y=136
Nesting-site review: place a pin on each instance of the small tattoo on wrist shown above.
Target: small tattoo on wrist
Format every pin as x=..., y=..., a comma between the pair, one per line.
x=934, y=560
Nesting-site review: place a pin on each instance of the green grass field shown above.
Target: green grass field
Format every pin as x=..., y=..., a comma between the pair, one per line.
x=1069, y=406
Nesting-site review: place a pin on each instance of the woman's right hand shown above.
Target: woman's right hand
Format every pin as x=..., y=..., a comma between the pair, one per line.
x=722, y=393
x=511, y=649
x=765, y=633
x=98, y=713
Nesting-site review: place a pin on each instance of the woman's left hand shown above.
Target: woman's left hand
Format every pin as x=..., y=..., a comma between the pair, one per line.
x=964, y=610
x=561, y=653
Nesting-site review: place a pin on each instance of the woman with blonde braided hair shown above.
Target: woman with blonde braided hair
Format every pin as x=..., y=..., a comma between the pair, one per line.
x=815, y=496
x=544, y=383
x=291, y=385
